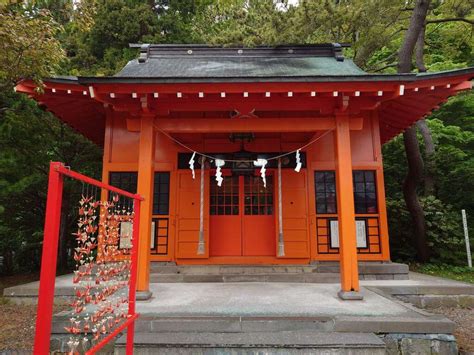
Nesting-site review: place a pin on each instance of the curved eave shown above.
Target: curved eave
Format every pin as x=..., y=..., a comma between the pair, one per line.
x=400, y=100
x=253, y=79
x=71, y=103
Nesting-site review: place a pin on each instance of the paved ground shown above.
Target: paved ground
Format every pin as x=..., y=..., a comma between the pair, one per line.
x=263, y=299
x=64, y=284
x=269, y=299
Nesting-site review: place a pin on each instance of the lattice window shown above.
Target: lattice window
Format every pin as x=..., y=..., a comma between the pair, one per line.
x=125, y=180
x=371, y=239
x=374, y=245
x=325, y=187
x=323, y=236
x=365, y=197
x=258, y=200
x=161, y=193
x=224, y=200
x=159, y=245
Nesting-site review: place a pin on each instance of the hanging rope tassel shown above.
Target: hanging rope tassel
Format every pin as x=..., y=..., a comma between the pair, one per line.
x=191, y=165
x=201, y=244
x=219, y=163
x=281, y=243
x=262, y=163
x=298, y=161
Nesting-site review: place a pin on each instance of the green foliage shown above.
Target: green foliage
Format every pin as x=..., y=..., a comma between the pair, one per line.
x=445, y=234
x=39, y=38
x=29, y=139
x=28, y=45
x=459, y=273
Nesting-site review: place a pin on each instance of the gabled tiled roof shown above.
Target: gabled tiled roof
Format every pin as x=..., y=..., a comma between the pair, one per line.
x=205, y=62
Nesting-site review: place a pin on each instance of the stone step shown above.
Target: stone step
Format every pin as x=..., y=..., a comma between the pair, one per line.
x=216, y=273
x=231, y=269
x=269, y=277
x=231, y=324
x=287, y=342
x=152, y=323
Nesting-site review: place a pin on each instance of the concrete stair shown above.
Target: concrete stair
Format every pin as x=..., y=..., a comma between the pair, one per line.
x=276, y=335
x=247, y=335
x=322, y=272
x=286, y=342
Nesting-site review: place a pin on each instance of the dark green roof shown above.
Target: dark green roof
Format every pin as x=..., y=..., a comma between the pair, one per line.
x=169, y=63
x=194, y=61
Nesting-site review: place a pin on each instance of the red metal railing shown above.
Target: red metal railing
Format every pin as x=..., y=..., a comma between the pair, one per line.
x=57, y=172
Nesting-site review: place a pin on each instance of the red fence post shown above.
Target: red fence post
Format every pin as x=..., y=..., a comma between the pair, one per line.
x=48, y=260
x=133, y=275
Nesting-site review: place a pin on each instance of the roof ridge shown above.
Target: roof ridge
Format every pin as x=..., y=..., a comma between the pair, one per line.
x=333, y=50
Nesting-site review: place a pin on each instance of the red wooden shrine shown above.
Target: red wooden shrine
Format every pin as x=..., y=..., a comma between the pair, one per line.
x=241, y=104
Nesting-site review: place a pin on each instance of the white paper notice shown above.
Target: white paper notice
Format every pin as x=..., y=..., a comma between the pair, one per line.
x=152, y=242
x=126, y=229
x=361, y=234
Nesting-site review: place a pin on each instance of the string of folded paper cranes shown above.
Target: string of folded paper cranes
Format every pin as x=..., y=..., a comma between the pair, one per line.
x=262, y=163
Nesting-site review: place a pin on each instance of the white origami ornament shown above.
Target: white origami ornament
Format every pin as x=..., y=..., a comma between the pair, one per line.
x=298, y=161
x=262, y=163
x=219, y=178
x=191, y=165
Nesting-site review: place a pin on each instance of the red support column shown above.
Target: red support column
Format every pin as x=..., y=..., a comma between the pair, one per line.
x=48, y=260
x=345, y=206
x=146, y=167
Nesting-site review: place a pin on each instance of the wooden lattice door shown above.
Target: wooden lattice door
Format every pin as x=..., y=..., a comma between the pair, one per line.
x=242, y=221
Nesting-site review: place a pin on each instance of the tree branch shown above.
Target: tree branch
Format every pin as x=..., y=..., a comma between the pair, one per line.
x=452, y=19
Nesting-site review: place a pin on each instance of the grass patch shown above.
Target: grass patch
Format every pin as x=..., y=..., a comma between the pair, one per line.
x=458, y=273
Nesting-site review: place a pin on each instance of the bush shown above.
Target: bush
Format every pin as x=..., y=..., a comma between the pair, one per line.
x=444, y=231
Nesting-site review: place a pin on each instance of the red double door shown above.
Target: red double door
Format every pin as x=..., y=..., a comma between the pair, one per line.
x=242, y=221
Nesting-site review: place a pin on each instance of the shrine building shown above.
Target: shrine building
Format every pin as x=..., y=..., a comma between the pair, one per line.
x=234, y=111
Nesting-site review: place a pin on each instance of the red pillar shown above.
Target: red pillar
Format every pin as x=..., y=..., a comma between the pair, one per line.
x=346, y=214
x=146, y=167
x=48, y=260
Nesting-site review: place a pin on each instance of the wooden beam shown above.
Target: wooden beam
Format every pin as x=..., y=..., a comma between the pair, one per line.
x=255, y=125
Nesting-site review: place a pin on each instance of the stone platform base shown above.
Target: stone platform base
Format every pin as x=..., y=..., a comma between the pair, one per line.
x=318, y=272
x=255, y=343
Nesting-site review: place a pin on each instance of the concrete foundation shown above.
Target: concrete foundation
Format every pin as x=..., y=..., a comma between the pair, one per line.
x=222, y=318
x=317, y=272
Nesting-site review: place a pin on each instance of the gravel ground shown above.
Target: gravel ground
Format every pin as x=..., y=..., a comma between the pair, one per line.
x=17, y=326
x=464, y=319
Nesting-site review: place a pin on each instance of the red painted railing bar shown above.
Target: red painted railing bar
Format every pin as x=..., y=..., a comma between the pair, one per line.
x=57, y=171
x=75, y=175
x=48, y=260
x=133, y=274
x=112, y=335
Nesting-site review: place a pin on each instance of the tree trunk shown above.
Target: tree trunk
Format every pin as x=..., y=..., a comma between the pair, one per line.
x=8, y=262
x=430, y=163
x=430, y=168
x=417, y=22
x=412, y=148
x=419, y=50
x=412, y=180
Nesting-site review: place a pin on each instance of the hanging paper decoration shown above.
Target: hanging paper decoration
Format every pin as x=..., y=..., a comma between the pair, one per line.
x=219, y=178
x=191, y=165
x=262, y=163
x=298, y=161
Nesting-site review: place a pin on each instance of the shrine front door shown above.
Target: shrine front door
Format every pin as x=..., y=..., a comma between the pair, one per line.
x=242, y=221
